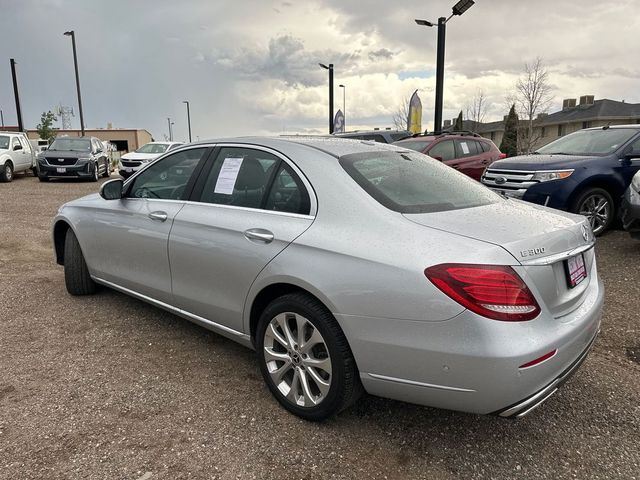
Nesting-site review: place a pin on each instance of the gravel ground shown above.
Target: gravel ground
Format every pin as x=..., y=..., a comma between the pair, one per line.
x=108, y=387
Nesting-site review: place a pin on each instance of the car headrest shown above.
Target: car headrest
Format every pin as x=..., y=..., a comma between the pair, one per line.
x=251, y=175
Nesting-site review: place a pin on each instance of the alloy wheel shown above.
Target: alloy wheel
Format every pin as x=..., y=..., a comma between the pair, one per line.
x=597, y=209
x=8, y=173
x=297, y=359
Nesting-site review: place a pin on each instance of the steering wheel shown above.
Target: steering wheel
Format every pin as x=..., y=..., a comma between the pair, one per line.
x=176, y=193
x=144, y=192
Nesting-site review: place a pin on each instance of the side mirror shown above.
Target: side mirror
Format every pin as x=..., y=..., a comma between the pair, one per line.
x=628, y=158
x=112, y=190
x=17, y=147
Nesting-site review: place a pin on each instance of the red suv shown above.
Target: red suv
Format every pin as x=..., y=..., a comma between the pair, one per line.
x=465, y=151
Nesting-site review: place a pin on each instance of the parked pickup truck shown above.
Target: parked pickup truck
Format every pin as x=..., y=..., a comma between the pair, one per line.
x=16, y=155
x=586, y=172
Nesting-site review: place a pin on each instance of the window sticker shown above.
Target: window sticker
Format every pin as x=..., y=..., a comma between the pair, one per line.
x=228, y=176
x=465, y=148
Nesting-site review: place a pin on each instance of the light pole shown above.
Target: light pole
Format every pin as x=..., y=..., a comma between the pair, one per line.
x=188, y=119
x=344, y=105
x=16, y=95
x=72, y=34
x=2, y=118
x=169, y=122
x=330, y=68
x=458, y=9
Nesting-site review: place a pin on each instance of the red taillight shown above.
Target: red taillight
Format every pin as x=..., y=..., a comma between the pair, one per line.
x=493, y=291
x=502, y=155
x=539, y=360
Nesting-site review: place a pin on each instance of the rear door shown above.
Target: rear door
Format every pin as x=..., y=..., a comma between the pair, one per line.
x=469, y=157
x=249, y=204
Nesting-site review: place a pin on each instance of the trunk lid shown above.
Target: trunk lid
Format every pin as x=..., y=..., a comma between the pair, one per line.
x=540, y=239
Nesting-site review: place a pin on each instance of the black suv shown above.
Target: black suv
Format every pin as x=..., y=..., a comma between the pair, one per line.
x=79, y=157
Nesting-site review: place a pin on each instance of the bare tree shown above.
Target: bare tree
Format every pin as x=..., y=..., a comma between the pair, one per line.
x=401, y=115
x=477, y=111
x=533, y=96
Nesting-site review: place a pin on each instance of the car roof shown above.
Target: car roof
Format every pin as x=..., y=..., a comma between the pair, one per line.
x=634, y=126
x=426, y=138
x=334, y=146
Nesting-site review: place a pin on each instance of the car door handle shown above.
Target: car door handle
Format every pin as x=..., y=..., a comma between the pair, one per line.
x=259, y=234
x=158, y=216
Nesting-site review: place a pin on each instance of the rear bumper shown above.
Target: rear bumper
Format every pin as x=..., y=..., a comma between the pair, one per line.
x=630, y=212
x=529, y=404
x=470, y=363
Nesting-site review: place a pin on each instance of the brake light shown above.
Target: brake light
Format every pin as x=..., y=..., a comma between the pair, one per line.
x=502, y=155
x=493, y=291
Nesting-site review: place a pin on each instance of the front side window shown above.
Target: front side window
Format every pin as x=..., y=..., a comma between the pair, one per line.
x=168, y=178
x=443, y=150
x=4, y=142
x=414, y=183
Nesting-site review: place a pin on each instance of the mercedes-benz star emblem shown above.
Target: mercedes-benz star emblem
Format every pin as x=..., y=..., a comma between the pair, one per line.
x=585, y=232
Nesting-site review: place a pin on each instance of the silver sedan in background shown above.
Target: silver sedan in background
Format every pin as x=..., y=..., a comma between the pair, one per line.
x=349, y=266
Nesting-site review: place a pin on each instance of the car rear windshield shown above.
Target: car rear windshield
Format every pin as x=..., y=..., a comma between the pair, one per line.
x=416, y=145
x=414, y=183
x=590, y=142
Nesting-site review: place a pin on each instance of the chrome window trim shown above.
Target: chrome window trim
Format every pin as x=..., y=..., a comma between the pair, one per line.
x=414, y=383
x=550, y=259
x=313, y=208
x=217, y=205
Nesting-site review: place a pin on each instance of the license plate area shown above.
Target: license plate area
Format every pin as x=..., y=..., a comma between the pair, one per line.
x=61, y=170
x=576, y=270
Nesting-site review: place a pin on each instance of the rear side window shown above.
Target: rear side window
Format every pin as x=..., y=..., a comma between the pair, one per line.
x=416, y=145
x=414, y=183
x=483, y=147
x=466, y=148
x=443, y=150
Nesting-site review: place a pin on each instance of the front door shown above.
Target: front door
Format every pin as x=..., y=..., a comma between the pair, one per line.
x=128, y=243
x=249, y=206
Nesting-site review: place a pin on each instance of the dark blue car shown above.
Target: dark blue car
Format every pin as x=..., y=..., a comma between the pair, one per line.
x=586, y=172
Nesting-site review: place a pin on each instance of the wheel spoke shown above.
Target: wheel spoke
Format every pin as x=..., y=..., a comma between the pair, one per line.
x=273, y=333
x=322, y=384
x=309, y=398
x=293, y=394
x=271, y=356
x=318, y=363
x=300, y=324
x=278, y=374
x=284, y=323
x=314, y=339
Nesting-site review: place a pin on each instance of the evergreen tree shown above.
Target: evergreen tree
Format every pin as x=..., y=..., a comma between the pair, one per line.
x=459, y=126
x=44, y=127
x=509, y=144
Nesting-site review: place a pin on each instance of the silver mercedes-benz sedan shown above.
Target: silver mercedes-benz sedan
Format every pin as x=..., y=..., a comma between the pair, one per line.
x=349, y=266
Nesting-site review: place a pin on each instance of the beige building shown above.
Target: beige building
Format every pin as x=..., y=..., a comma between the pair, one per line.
x=575, y=115
x=125, y=139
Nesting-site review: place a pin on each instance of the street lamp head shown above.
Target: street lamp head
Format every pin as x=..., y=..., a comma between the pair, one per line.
x=69, y=33
x=185, y=101
x=462, y=6
x=342, y=86
x=424, y=23
x=323, y=66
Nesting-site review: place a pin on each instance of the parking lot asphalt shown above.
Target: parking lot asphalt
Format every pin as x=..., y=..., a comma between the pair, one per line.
x=108, y=387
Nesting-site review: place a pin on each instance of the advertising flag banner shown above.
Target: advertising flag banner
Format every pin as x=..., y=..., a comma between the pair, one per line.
x=338, y=122
x=414, y=119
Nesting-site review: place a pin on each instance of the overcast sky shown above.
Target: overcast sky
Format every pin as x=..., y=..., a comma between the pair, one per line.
x=251, y=66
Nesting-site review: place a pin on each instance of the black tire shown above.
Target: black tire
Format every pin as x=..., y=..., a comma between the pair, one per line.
x=96, y=172
x=34, y=171
x=345, y=387
x=76, y=274
x=43, y=179
x=6, y=173
x=106, y=173
x=584, y=202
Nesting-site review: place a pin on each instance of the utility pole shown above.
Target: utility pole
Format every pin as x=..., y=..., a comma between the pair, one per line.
x=188, y=119
x=17, y=96
x=72, y=34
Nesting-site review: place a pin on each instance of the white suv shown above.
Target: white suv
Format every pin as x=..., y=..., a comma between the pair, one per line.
x=16, y=155
x=130, y=163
